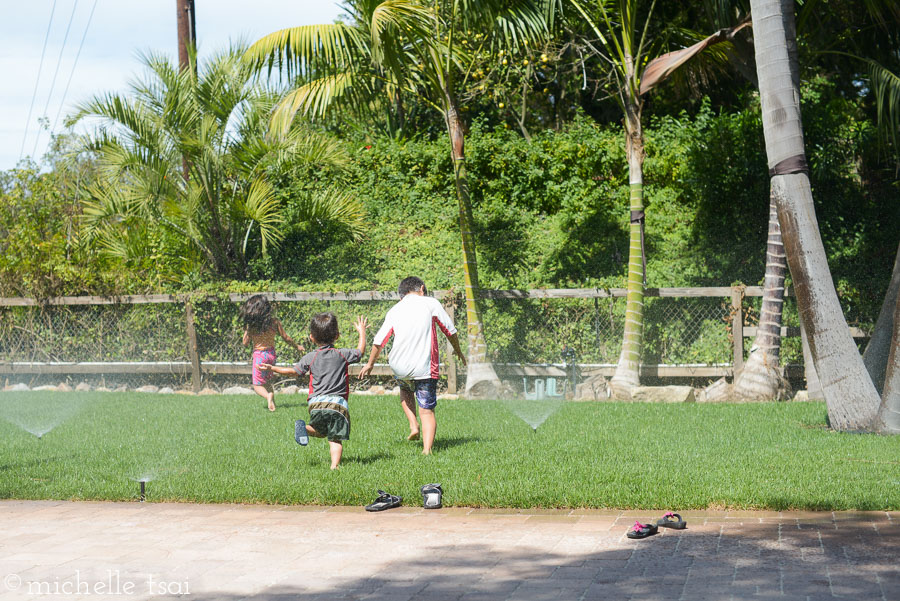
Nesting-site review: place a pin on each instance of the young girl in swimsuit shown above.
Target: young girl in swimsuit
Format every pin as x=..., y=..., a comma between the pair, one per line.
x=260, y=328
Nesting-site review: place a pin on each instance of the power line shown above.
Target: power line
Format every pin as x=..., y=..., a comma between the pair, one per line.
x=74, y=64
x=55, y=73
x=40, y=66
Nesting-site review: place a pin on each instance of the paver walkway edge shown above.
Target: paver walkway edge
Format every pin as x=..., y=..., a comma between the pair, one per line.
x=161, y=551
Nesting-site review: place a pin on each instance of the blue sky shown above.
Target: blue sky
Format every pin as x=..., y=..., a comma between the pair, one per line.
x=118, y=30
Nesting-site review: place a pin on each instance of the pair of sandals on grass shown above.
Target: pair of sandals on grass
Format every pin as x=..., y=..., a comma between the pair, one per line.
x=669, y=520
x=431, y=499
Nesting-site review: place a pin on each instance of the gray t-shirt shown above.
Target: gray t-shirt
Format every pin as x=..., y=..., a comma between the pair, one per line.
x=328, y=369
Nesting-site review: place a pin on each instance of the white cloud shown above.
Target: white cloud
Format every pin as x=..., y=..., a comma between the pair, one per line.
x=118, y=30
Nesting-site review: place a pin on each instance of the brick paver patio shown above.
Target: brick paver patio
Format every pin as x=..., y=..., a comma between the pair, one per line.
x=75, y=550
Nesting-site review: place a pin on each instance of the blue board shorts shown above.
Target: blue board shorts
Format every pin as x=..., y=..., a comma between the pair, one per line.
x=425, y=391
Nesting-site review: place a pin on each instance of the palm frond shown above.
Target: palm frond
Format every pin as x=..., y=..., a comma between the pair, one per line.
x=315, y=98
x=308, y=49
x=886, y=85
x=335, y=206
x=262, y=207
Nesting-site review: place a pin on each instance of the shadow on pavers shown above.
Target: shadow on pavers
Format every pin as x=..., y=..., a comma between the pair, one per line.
x=850, y=559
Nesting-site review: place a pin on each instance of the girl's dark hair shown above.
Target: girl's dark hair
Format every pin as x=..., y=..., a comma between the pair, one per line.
x=411, y=284
x=258, y=314
x=324, y=328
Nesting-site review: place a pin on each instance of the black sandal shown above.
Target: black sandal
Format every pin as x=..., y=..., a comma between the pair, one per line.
x=640, y=530
x=384, y=501
x=431, y=496
x=300, y=434
x=667, y=521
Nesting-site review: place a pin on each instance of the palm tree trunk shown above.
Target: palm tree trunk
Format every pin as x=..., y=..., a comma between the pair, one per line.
x=850, y=396
x=627, y=373
x=761, y=378
x=889, y=413
x=876, y=354
x=480, y=374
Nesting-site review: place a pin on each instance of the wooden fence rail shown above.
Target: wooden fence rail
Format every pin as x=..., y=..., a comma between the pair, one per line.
x=197, y=368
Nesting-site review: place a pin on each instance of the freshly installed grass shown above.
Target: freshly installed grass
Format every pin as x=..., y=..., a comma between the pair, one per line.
x=624, y=455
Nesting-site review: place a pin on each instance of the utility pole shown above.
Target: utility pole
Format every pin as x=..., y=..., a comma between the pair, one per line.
x=187, y=31
x=187, y=38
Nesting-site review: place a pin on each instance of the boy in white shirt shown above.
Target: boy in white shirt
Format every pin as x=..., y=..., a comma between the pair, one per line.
x=414, y=356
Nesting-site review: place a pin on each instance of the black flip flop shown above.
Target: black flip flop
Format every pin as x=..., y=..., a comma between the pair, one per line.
x=300, y=434
x=640, y=530
x=384, y=501
x=671, y=520
x=431, y=496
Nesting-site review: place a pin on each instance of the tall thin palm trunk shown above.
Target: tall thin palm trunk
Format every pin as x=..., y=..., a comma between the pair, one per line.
x=889, y=413
x=761, y=378
x=627, y=373
x=850, y=396
x=480, y=374
x=877, y=351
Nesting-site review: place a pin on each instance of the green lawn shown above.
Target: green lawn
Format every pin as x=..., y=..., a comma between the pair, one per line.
x=230, y=449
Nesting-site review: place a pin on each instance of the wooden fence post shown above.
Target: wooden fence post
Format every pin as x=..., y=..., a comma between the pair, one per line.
x=193, y=350
x=737, y=327
x=450, y=308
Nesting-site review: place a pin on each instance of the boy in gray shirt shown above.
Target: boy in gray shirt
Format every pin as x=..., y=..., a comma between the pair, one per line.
x=329, y=383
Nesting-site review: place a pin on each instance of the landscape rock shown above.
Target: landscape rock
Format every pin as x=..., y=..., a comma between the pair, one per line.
x=45, y=387
x=102, y=389
x=207, y=391
x=718, y=391
x=801, y=396
x=377, y=390
x=237, y=390
x=147, y=388
x=663, y=394
x=122, y=388
x=16, y=388
x=63, y=387
x=595, y=388
x=290, y=390
x=84, y=387
x=395, y=391
x=166, y=390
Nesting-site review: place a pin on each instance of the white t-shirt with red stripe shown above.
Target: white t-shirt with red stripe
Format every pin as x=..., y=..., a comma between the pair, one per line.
x=413, y=322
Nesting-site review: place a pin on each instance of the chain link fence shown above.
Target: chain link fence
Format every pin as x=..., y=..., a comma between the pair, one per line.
x=678, y=330
x=93, y=333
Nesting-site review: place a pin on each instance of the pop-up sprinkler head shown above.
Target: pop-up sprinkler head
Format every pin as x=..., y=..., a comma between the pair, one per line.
x=143, y=483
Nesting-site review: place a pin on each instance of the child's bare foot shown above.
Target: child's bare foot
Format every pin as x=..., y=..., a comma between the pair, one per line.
x=271, y=405
x=424, y=452
x=413, y=435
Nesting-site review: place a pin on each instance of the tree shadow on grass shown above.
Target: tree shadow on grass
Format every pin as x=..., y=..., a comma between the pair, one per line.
x=729, y=559
x=442, y=444
x=289, y=405
x=35, y=462
x=367, y=459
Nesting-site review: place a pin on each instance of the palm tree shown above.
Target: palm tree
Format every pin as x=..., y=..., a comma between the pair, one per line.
x=626, y=50
x=394, y=47
x=852, y=400
x=185, y=162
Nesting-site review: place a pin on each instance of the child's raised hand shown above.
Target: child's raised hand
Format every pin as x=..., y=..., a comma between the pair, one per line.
x=361, y=324
x=265, y=366
x=301, y=348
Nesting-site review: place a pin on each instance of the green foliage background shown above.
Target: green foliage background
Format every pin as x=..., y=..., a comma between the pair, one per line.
x=550, y=212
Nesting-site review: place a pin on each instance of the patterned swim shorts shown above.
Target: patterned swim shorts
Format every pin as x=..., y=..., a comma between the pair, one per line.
x=424, y=390
x=261, y=377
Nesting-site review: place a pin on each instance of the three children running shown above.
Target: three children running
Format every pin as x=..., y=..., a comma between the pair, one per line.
x=413, y=323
